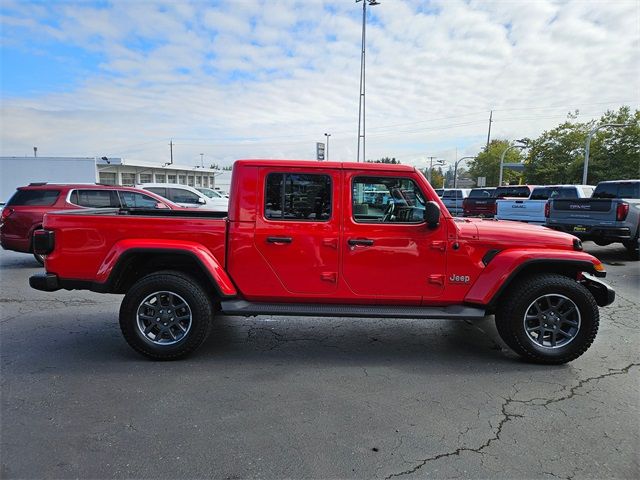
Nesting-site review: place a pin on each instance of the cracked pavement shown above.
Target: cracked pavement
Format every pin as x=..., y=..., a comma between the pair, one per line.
x=284, y=397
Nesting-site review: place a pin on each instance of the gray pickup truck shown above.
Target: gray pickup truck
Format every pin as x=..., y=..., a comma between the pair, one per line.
x=611, y=215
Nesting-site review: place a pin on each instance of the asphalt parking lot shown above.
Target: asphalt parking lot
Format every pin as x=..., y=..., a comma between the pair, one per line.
x=280, y=397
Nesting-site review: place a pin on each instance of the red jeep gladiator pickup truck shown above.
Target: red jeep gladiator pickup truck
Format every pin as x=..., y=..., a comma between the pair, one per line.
x=313, y=238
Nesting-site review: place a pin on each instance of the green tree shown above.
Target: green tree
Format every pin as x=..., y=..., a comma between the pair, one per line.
x=557, y=156
x=487, y=164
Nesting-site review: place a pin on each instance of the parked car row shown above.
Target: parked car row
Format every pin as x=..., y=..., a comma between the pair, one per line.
x=607, y=213
x=24, y=212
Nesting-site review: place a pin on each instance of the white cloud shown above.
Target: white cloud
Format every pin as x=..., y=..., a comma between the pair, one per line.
x=267, y=79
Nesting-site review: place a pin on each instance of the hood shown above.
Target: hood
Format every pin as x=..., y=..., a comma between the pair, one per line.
x=507, y=233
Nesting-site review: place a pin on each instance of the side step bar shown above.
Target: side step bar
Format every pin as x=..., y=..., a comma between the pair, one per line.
x=249, y=309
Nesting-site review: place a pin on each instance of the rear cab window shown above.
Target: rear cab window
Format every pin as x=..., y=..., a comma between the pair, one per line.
x=630, y=190
x=516, y=191
x=381, y=199
x=298, y=197
x=482, y=193
x=35, y=198
x=546, y=193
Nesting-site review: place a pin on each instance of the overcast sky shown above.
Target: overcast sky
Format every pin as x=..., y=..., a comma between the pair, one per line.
x=266, y=79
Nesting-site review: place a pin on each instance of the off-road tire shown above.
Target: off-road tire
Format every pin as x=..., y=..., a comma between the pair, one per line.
x=517, y=300
x=182, y=285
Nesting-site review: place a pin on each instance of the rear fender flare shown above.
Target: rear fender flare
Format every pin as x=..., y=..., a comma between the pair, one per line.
x=119, y=254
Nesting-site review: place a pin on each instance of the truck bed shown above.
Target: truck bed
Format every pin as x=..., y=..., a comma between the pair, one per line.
x=83, y=236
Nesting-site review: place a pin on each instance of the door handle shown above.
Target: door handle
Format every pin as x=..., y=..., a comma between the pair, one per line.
x=279, y=239
x=365, y=242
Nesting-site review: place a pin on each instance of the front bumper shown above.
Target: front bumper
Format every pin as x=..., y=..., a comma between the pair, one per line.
x=601, y=291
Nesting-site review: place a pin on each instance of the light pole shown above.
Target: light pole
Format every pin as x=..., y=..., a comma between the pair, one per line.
x=455, y=171
x=588, y=145
x=361, y=109
x=326, y=157
x=511, y=146
x=438, y=162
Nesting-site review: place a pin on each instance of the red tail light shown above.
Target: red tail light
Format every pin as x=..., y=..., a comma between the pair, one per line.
x=547, y=210
x=494, y=208
x=622, y=210
x=6, y=213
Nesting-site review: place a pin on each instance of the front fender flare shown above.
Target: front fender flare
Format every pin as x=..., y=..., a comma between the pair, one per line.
x=505, y=267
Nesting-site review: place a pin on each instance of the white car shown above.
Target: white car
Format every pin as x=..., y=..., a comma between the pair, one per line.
x=211, y=193
x=186, y=196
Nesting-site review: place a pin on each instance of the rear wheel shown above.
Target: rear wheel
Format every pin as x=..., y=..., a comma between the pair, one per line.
x=548, y=318
x=166, y=315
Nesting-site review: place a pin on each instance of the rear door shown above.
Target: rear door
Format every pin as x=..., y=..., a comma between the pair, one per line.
x=297, y=229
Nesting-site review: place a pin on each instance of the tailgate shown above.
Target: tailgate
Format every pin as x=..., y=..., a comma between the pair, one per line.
x=583, y=212
x=521, y=210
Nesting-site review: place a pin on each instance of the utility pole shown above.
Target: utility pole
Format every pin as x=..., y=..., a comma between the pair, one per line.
x=171, y=151
x=326, y=157
x=489, y=133
x=361, y=109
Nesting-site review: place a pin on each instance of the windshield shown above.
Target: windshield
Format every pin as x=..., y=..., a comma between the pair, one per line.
x=210, y=193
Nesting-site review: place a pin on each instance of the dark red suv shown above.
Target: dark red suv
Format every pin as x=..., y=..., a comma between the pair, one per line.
x=23, y=213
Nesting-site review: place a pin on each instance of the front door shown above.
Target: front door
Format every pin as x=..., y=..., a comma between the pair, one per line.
x=298, y=229
x=388, y=251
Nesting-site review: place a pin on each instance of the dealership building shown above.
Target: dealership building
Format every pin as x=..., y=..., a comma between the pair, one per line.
x=19, y=171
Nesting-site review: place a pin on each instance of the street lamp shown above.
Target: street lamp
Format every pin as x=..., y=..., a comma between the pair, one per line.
x=438, y=162
x=361, y=110
x=455, y=171
x=511, y=146
x=326, y=157
x=588, y=145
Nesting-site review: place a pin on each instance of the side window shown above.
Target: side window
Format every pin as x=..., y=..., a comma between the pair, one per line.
x=137, y=200
x=182, y=196
x=386, y=200
x=96, y=198
x=295, y=196
x=158, y=191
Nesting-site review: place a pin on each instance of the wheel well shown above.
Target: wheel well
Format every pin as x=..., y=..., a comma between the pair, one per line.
x=133, y=266
x=567, y=269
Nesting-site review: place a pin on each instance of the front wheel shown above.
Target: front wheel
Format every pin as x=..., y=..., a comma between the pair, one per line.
x=548, y=318
x=166, y=315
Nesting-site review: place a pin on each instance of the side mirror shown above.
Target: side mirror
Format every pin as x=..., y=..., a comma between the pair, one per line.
x=201, y=201
x=161, y=206
x=432, y=214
